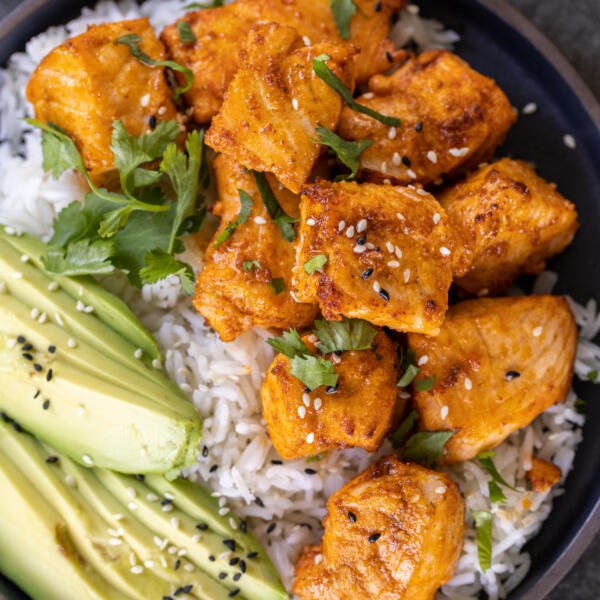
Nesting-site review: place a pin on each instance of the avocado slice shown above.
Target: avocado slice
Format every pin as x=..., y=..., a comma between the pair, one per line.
x=110, y=309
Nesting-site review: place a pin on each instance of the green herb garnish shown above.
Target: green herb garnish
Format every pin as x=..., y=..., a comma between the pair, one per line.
x=425, y=384
x=316, y=263
x=82, y=256
x=161, y=264
x=289, y=343
x=277, y=285
x=580, y=406
x=284, y=221
x=133, y=41
x=250, y=265
x=314, y=371
x=245, y=210
x=335, y=83
x=399, y=436
x=316, y=457
x=409, y=374
x=496, y=493
x=426, y=447
x=186, y=35
x=348, y=152
x=483, y=523
x=348, y=334
x=203, y=5
x=343, y=11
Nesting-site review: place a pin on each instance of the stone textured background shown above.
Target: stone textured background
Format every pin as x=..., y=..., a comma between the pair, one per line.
x=573, y=26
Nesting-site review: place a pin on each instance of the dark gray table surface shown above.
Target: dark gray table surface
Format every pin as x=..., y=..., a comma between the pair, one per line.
x=574, y=26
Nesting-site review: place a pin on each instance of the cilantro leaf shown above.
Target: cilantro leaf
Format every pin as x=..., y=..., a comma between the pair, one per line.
x=426, y=446
x=133, y=41
x=80, y=258
x=349, y=334
x=203, y=5
x=278, y=285
x=161, y=264
x=409, y=374
x=483, y=523
x=343, y=11
x=283, y=220
x=335, y=83
x=186, y=35
x=313, y=371
x=485, y=460
x=289, y=343
x=73, y=223
x=496, y=494
x=245, y=210
x=316, y=263
x=425, y=384
x=316, y=457
x=398, y=437
x=184, y=173
x=250, y=265
x=348, y=152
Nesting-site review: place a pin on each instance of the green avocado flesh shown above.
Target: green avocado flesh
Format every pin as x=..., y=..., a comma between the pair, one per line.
x=72, y=532
x=75, y=382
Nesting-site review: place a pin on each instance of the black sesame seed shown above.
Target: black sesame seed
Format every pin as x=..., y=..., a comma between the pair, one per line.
x=234, y=561
x=271, y=527
x=167, y=598
x=204, y=451
x=52, y=459
x=187, y=589
x=21, y=339
x=366, y=273
x=374, y=537
x=178, y=591
x=152, y=121
x=338, y=352
x=230, y=544
x=237, y=576
x=177, y=564
x=27, y=347
x=233, y=593
x=259, y=501
x=419, y=127
x=252, y=555
x=166, y=501
x=243, y=526
x=384, y=294
x=307, y=390
x=351, y=516
x=243, y=566
x=37, y=367
x=310, y=471
x=202, y=526
x=49, y=375
x=331, y=389
x=510, y=375
x=139, y=477
x=36, y=394
x=211, y=558
x=46, y=404
x=222, y=575
x=17, y=427
x=27, y=356
x=52, y=349
x=406, y=161
x=5, y=417
x=276, y=462
x=361, y=240
x=213, y=468
x=377, y=7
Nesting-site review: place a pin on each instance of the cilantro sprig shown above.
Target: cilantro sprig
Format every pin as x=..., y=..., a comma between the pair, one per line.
x=343, y=11
x=133, y=41
x=316, y=263
x=349, y=153
x=243, y=215
x=186, y=35
x=335, y=83
x=283, y=220
x=483, y=525
x=340, y=336
x=485, y=459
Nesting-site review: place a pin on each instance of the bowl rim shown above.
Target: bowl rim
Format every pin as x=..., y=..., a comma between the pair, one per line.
x=589, y=527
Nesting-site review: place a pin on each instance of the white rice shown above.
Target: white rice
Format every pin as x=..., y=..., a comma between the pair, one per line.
x=223, y=380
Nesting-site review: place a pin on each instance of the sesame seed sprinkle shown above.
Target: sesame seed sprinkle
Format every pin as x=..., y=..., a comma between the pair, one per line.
x=411, y=173
x=132, y=506
x=441, y=489
x=341, y=225
x=569, y=141
x=432, y=156
x=310, y=438
x=398, y=252
x=390, y=247
x=392, y=132
x=302, y=411
x=400, y=217
x=71, y=343
x=376, y=287
x=368, y=95
x=468, y=384
x=17, y=275
x=406, y=275
x=295, y=103
x=138, y=353
x=306, y=400
x=436, y=218
x=444, y=251
x=145, y=100
x=458, y=152
x=396, y=159
x=350, y=231
x=317, y=403
x=260, y=220
x=311, y=222
x=114, y=541
x=537, y=331
x=444, y=412
x=24, y=258
x=361, y=225
x=87, y=459
x=423, y=360
x=393, y=264
x=137, y=569
x=529, y=108
x=175, y=522
x=318, y=559
x=359, y=249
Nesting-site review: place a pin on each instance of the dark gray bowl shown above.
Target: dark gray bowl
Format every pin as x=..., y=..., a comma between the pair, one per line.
x=499, y=42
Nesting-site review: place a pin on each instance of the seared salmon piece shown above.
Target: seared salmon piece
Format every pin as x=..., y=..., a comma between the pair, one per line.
x=220, y=34
x=389, y=254
x=394, y=532
x=510, y=222
x=542, y=475
x=235, y=289
x=498, y=363
x=271, y=110
x=88, y=82
x=358, y=412
x=453, y=118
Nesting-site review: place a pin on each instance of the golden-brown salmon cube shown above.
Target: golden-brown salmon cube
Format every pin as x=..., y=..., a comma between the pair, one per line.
x=88, y=82
x=389, y=254
x=498, y=363
x=453, y=118
x=394, y=532
x=543, y=475
x=510, y=221
x=220, y=33
x=275, y=102
x=235, y=289
x=357, y=412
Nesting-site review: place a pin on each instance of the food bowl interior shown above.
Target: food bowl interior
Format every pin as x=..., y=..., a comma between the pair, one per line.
x=492, y=45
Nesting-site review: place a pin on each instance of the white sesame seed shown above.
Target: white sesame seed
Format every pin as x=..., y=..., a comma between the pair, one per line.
x=156, y=364
x=70, y=342
x=80, y=411
x=537, y=331
x=569, y=141
x=404, y=395
x=157, y=541
x=260, y=220
x=137, y=570
x=432, y=156
x=387, y=181
x=422, y=192
x=318, y=559
x=423, y=360
x=167, y=507
x=396, y=159
x=172, y=550
x=169, y=496
x=145, y=100
x=393, y=264
x=390, y=247
x=114, y=541
x=341, y=225
x=152, y=497
x=149, y=564
x=436, y=218
x=34, y=313
x=131, y=492
x=232, y=523
x=311, y=222
x=529, y=108
x=118, y=517
x=411, y=173
x=189, y=567
x=444, y=251
x=52, y=286
x=335, y=359
x=162, y=110
x=295, y=103
x=441, y=489
x=376, y=287
x=392, y=133
x=196, y=538
x=368, y=95
x=70, y=481
x=401, y=217
x=80, y=306
x=350, y=231
x=406, y=275
x=302, y=411
x=359, y=249
x=24, y=258
x=457, y=152
x=361, y=225
x=9, y=230
x=132, y=506
x=398, y=252
x=317, y=403
x=310, y=438
x=17, y=275
x=11, y=343
x=468, y=384
x=87, y=459
x=306, y=400
x=43, y=318
x=88, y=309
x=60, y=322
x=138, y=353
x=306, y=40
x=383, y=167
x=444, y=412
x=175, y=522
